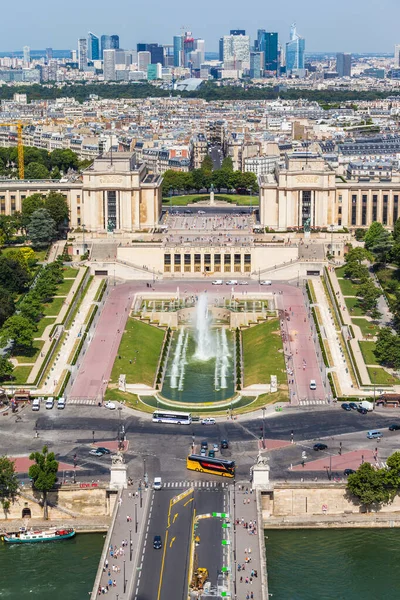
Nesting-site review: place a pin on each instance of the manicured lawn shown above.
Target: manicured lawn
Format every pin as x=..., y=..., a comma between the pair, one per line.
x=354, y=309
x=70, y=272
x=347, y=286
x=64, y=287
x=141, y=342
x=367, y=350
x=29, y=355
x=21, y=374
x=382, y=376
x=193, y=198
x=53, y=308
x=42, y=324
x=263, y=354
x=340, y=271
x=366, y=327
x=40, y=255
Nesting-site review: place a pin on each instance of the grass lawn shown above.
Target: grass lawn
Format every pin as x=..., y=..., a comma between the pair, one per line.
x=29, y=355
x=263, y=354
x=354, y=309
x=21, y=374
x=367, y=327
x=42, y=324
x=70, y=272
x=64, y=287
x=347, y=286
x=340, y=271
x=40, y=255
x=53, y=307
x=143, y=342
x=193, y=198
x=367, y=350
x=382, y=376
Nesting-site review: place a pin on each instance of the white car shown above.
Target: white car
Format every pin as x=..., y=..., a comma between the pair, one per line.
x=267, y=282
x=243, y=283
x=232, y=282
x=110, y=405
x=208, y=421
x=313, y=384
x=215, y=447
x=218, y=282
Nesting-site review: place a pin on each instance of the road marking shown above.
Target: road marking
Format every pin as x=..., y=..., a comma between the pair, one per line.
x=190, y=500
x=175, y=517
x=172, y=541
x=164, y=551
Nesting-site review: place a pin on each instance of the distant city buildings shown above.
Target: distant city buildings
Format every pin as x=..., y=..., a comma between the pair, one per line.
x=295, y=50
x=93, y=46
x=343, y=64
x=82, y=53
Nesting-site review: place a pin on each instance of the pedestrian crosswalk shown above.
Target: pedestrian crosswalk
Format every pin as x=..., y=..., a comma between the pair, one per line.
x=312, y=402
x=210, y=485
x=85, y=401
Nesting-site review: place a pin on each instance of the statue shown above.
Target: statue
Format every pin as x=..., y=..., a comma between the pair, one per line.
x=262, y=460
x=110, y=225
x=307, y=227
x=117, y=459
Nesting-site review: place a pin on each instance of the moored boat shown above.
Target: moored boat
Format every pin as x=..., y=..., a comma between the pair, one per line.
x=38, y=535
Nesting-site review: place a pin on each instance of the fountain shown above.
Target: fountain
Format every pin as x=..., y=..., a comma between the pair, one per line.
x=205, y=340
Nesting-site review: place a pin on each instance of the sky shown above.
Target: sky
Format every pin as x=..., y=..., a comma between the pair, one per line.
x=341, y=25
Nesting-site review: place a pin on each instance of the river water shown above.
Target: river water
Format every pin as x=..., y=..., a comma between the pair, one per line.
x=63, y=570
x=334, y=564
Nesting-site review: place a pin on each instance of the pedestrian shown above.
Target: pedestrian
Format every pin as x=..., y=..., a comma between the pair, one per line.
x=241, y=579
x=251, y=595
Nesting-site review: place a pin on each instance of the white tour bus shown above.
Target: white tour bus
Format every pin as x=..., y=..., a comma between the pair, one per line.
x=166, y=416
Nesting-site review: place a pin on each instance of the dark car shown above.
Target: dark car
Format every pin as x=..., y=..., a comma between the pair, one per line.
x=348, y=472
x=320, y=446
x=394, y=427
x=361, y=410
x=157, y=543
x=211, y=453
x=104, y=450
x=224, y=444
x=353, y=405
x=346, y=406
x=204, y=445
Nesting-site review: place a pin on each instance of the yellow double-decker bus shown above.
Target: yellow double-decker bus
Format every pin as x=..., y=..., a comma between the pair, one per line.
x=214, y=466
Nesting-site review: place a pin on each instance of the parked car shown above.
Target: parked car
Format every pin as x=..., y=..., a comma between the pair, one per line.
x=95, y=452
x=218, y=282
x=110, y=405
x=204, y=444
x=104, y=450
x=320, y=446
x=157, y=543
x=49, y=403
x=203, y=452
x=208, y=421
x=243, y=283
x=346, y=406
x=394, y=427
x=353, y=405
x=231, y=282
x=266, y=282
x=224, y=444
x=211, y=453
x=362, y=410
x=215, y=447
x=374, y=434
x=348, y=472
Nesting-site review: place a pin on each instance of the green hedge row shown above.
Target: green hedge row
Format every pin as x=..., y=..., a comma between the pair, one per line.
x=321, y=341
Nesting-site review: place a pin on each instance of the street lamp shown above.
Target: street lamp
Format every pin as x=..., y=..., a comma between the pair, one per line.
x=136, y=521
x=124, y=579
x=263, y=426
x=130, y=544
x=374, y=388
x=93, y=437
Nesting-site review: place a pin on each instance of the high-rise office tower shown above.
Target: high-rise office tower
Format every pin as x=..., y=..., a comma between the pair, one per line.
x=109, y=65
x=188, y=47
x=49, y=54
x=144, y=59
x=141, y=47
x=397, y=56
x=52, y=70
x=237, y=32
x=343, y=64
x=199, y=45
x=157, y=54
x=255, y=65
x=27, y=54
x=221, y=49
x=93, y=46
x=269, y=45
x=237, y=50
x=295, y=49
x=258, y=41
x=82, y=54
x=178, y=50
x=109, y=42
x=114, y=42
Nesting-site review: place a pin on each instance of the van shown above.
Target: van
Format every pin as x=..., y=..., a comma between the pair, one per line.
x=157, y=484
x=313, y=384
x=36, y=404
x=371, y=435
x=50, y=402
x=61, y=403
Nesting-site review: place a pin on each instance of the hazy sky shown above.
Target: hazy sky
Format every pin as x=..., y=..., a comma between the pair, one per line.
x=341, y=25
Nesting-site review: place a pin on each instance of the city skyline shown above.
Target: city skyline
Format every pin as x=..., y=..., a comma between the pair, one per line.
x=349, y=29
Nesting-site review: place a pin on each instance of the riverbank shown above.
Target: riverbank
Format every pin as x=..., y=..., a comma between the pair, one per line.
x=80, y=524
x=362, y=521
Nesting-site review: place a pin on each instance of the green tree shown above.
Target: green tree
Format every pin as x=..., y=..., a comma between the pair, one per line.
x=227, y=164
x=367, y=485
x=207, y=164
x=359, y=255
x=8, y=483
x=382, y=246
x=42, y=228
x=55, y=173
x=6, y=368
x=7, y=305
x=57, y=206
x=36, y=171
x=368, y=294
x=29, y=205
x=374, y=231
x=20, y=330
x=14, y=277
x=387, y=348
x=391, y=475
x=8, y=228
x=356, y=271
x=44, y=474
x=64, y=160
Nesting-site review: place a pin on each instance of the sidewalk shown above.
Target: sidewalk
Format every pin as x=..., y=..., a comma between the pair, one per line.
x=122, y=556
x=246, y=551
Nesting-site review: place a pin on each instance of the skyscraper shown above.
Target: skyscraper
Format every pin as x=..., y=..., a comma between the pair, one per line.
x=237, y=49
x=343, y=64
x=157, y=53
x=82, y=53
x=397, y=56
x=188, y=47
x=109, y=65
x=268, y=43
x=295, y=49
x=49, y=54
x=178, y=50
x=109, y=42
x=114, y=42
x=255, y=65
x=221, y=49
x=144, y=59
x=27, y=54
x=237, y=32
x=93, y=46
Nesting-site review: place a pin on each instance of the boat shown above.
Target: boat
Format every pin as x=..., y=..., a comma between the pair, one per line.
x=24, y=535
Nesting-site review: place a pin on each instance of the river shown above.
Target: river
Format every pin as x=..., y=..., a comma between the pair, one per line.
x=333, y=564
x=63, y=570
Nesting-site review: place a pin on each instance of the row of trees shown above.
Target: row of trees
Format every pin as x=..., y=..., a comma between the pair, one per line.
x=39, y=163
x=203, y=178
x=356, y=270
x=43, y=473
x=373, y=486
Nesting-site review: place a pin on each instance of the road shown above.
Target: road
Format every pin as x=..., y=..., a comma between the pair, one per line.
x=165, y=572
x=216, y=155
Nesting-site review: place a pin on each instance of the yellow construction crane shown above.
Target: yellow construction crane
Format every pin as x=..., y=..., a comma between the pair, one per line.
x=20, y=146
